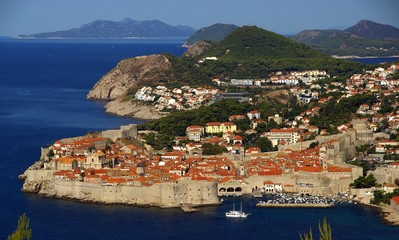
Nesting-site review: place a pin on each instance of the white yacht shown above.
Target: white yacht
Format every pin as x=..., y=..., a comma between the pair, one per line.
x=236, y=214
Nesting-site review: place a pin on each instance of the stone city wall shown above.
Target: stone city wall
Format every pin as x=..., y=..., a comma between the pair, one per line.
x=168, y=194
x=124, y=131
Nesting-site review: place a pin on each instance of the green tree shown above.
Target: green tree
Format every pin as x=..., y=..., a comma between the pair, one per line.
x=50, y=153
x=242, y=124
x=91, y=148
x=211, y=149
x=23, y=231
x=107, y=148
x=314, y=144
x=324, y=231
x=378, y=197
x=307, y=236
x=364, y=182
x=264, y=144
x=397, y=181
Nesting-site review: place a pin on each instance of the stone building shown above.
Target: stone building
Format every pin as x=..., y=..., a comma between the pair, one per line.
x=276, y=136
x=124, y=132
x=95, y=160
x=195, y=133
x=364, y=135
x=220, y=127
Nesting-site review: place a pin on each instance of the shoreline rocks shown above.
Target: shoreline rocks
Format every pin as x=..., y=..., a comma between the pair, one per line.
x=388, y=215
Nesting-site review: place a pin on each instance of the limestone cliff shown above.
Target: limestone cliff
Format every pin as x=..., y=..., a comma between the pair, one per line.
x=128, y=73
x=132, y=109
x=197, y=49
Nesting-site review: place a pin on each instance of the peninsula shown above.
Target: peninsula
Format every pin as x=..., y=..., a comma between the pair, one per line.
x=316, y=130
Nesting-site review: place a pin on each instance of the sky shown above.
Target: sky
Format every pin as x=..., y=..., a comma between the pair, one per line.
x=281, y=16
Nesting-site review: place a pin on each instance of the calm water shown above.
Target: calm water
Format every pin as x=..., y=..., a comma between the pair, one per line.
x=43, y=87
x=375, y=60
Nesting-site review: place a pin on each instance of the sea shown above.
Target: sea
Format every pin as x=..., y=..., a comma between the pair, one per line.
x=43, y=88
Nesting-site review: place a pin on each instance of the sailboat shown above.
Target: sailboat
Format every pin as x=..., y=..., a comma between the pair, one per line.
x=236, y=214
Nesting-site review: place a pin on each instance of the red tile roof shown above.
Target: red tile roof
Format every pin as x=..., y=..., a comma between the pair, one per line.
x=338, y=169
x=395, y=199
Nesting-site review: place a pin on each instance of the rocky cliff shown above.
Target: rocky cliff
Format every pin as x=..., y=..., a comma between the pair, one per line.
x=197, y=49
x=128, y=73
x=132, y=109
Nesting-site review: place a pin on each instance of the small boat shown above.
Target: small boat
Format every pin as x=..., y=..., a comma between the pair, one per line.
x=236, y=214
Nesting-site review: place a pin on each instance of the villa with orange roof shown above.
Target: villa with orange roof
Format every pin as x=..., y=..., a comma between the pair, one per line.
x=254, y=114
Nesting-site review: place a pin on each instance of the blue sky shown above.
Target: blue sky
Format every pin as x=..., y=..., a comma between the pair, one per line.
x=281, y=16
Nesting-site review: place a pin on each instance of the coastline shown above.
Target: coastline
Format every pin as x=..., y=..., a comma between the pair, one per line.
x=387, y=215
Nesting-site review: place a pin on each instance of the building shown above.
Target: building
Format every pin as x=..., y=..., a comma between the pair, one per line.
x=218, y=127
x=241, y=82
x=95, y=160
x=276, y=136
x=254, y=114
x=277, y=118
x=239, y=96
x=195, y=133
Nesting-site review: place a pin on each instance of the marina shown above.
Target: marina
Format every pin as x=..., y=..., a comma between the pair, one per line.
x=294, y=205
x=298, y=201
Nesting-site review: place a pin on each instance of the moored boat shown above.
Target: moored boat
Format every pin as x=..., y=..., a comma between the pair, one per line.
x=236, y=214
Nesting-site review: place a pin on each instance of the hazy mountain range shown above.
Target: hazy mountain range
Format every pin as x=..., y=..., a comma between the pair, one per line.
x=366, y=38
x=127, y=28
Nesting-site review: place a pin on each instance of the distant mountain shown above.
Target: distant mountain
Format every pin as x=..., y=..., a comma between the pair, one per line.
x=371, y=30
x=339, y=27
x=215, y=33
x=366, y=38
x=253, y=52
x=127, y=28
x=250, y=42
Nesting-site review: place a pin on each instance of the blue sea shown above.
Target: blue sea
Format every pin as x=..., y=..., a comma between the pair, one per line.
x=43, y=85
